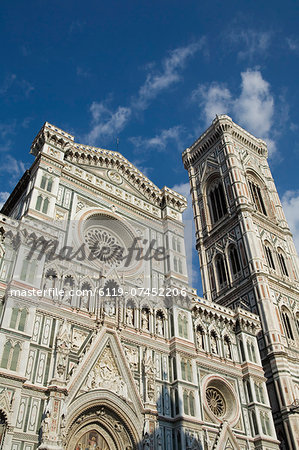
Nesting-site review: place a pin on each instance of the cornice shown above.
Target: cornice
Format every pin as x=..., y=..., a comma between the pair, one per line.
x=98, y=157
x=222, y=125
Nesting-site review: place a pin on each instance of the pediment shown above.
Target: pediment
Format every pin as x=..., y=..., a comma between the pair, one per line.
x=105, y=367
x=211, y=166
x=118, y=180
x=5, y=404
x=226, y=439
x=116, y=170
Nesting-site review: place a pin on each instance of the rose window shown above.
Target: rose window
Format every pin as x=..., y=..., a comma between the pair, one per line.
x=104, y=247
x=215, y=402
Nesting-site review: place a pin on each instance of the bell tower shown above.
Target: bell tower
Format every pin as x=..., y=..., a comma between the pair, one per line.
x=247, y=254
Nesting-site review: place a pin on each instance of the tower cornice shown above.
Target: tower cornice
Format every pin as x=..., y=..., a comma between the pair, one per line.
x=222, y=125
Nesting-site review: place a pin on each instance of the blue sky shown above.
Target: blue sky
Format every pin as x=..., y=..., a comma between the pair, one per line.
x=153, y=74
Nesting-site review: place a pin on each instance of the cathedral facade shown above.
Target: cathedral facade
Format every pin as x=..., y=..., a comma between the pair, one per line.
x=104, y=344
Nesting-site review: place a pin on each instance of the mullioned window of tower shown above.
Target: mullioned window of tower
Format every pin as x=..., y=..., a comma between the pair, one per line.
x=257, y=197
x=217, y=202
x=269, y=257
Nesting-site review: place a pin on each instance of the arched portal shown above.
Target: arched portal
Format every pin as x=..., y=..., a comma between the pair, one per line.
x=99, y=428
x=3, y=427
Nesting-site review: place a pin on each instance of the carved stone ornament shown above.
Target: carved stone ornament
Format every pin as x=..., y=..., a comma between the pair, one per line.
x=105, y=375
x=150, y=375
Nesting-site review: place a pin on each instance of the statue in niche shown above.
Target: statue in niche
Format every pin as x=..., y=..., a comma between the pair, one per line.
x=64, y=335
x=199, y=339
x=46, y=425
x=227, y=350
x=85, y=302
x=50, y=280
x=145, y=320
x=68, y=290
x=159, y=325
x=150, y=374
x=214, y=344
x=130, y=316
x=109, y=308
x=146, y=442
x=159, y=440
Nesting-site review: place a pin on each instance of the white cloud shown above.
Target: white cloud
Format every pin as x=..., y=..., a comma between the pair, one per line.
x=160, y=141
x=157, y=82
x=253, y=108
x=213, y=99
x=254, y=43
x=83, y=73
x=139, y=163
x=3, y=197
x=290, y=203
x=11, y=166
x=190, y=241
x=106, y=123
x=293, y=44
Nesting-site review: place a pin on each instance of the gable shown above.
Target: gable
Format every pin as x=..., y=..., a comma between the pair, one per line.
x=105, y=368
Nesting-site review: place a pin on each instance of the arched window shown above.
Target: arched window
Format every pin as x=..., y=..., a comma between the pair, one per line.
x=234, y=260
x=249, y=351
x=178, y=245
x=14, y=317
x=10, y=356
x=265, y=423
x=45, y=206
x=257, y=198
x=46, y=183
x=287, y=323
x=173, y=243
x=282, y=263
x=217, y=201
x=43, y=182
x=15, y=357
x=183, y=326
x=269, y=256
x=183, y=369
x=6, y=354
x=28, y=270
x=38, y=204
x=221, y=273
x=242, y=350
x=255, y=429
x=180, y=266
x=253, y=352
x=175, y=264
x=259, y=392
x=189, y=371
x=191, y=404
x=50, y=184
x=186, y=402
x=249, y=392
x=212, y=278
x=42, y=204
x=177, y=402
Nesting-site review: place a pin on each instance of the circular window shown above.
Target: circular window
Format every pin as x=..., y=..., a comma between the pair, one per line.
x=216, y=402
x=220, y=400
x=104, y=246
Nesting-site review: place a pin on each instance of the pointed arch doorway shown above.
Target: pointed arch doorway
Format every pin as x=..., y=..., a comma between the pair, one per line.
x=100, y=428
x=92, y=437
